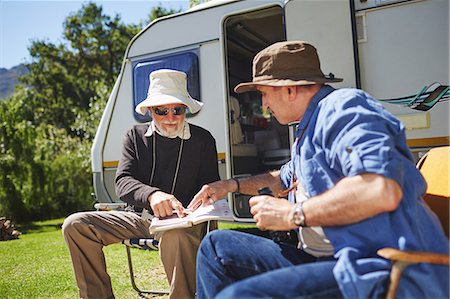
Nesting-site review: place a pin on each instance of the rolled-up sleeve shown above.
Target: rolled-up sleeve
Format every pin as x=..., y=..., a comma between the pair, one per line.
x=361, y=138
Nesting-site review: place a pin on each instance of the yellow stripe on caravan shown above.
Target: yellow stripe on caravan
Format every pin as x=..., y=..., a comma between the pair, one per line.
x=221, y=156
x=113, y=164
x=429, y=142
x=110, y=164
x=420, y=142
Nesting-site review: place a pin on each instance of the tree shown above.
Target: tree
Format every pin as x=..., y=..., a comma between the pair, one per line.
x=159, y=11
x=193, y=3
x=43, y=170
x=65, y=77
x=48, y=126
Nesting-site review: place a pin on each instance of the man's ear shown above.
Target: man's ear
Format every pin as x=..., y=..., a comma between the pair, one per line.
x=292, y=92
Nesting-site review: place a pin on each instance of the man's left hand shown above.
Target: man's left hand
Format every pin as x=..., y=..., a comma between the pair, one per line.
x=271, y=213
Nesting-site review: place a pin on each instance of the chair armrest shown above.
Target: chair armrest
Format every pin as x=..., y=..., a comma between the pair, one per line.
x=110, y=206
x=402, y=259
x=147, y=244
x=414, y=256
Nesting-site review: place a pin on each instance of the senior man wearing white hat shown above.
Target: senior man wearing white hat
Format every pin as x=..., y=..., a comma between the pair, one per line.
x=163, y=165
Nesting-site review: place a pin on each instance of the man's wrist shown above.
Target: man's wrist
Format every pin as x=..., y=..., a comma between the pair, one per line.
x=238, y=185
x=150, y=196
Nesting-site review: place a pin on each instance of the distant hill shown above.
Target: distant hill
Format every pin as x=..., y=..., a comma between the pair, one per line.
x=8, y=79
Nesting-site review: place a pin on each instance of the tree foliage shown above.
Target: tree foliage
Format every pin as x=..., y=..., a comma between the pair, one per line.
x=159, y=11
x=193, y=3
x=65, y=77
x=48, y=125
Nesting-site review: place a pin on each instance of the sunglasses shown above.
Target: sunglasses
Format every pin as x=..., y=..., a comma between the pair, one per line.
x=164, y=111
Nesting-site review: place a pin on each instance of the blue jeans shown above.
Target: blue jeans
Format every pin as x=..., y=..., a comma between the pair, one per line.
x=232, y=264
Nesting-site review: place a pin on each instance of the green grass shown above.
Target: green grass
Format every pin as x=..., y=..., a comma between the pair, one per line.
x=38, y=265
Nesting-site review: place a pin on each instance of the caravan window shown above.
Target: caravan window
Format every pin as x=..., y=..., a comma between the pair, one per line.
x=185, y=61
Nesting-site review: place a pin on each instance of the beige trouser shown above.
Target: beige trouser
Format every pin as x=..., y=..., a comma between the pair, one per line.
x=87, y=232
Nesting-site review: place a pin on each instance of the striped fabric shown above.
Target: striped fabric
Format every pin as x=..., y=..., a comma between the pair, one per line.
x=147, y=244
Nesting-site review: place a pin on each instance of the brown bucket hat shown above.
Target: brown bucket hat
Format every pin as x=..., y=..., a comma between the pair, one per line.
x=286, y=64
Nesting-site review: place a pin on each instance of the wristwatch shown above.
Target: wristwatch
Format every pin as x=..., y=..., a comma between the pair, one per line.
x=298, y=217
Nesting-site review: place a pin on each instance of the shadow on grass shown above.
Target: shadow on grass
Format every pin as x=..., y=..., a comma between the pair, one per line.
x=40, y=226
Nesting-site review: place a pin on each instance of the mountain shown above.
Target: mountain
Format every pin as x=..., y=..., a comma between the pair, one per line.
x=9, y=79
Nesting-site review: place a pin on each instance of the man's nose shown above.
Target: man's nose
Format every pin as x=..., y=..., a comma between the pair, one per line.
x=171, y=116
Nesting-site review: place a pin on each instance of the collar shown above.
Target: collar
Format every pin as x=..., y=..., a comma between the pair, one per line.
x=183, y=134
x=321, y=94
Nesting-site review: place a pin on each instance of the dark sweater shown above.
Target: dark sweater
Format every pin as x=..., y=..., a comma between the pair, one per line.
x=198, y=165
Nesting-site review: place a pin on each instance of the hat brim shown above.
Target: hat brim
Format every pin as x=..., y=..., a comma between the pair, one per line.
x=164, y=99
x=251, y=86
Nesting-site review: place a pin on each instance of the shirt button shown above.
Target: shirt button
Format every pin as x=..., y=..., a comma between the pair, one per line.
x=348, y=149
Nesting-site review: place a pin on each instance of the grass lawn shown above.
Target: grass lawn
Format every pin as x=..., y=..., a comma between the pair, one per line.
x=38, y=265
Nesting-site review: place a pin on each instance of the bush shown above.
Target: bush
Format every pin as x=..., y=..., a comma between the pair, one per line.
x=44, y=172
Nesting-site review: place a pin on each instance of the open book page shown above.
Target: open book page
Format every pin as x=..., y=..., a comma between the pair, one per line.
x=170, y=222
x=217, y=211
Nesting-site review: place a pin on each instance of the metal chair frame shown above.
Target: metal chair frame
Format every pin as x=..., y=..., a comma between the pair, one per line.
x=146, y=244
x=130, y=267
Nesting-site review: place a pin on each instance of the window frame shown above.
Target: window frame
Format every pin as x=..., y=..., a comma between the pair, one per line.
x=142, y=68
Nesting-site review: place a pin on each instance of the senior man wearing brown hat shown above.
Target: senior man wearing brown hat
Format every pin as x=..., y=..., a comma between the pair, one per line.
x=163, y=164
x=351, y=186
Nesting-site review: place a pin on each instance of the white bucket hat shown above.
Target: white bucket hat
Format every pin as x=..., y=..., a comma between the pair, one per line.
x=168, y=87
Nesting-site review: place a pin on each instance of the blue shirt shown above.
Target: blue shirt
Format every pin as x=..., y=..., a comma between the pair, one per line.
x=344, y=133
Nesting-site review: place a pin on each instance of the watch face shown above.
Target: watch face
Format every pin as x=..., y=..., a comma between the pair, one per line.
x=298, y=217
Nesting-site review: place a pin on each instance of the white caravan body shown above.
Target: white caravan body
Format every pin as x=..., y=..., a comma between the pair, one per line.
x=390, y=48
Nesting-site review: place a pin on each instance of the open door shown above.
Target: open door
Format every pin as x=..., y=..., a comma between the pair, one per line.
x=257, y=141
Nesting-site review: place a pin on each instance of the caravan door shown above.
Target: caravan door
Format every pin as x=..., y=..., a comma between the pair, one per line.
x=258, y=143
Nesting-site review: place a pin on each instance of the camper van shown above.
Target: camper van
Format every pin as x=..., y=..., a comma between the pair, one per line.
x=393, y=49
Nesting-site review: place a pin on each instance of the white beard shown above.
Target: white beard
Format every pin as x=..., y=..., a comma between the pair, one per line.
x=172, y=133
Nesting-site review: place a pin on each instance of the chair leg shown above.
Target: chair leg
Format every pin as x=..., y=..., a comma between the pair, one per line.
x=397, y=269
x=133, y=283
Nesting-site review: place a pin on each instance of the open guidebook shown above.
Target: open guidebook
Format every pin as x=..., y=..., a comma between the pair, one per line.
x=217, y=211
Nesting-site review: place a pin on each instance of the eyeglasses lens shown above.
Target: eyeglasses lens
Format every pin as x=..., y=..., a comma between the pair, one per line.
x=164, y=111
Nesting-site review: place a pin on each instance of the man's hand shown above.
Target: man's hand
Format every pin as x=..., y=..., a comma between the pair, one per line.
x=163, y=204
x=212, y=192
x=271, y=213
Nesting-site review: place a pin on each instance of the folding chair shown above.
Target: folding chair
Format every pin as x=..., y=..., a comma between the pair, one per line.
x=434, y=166
x=145, y=244
x=150, y=244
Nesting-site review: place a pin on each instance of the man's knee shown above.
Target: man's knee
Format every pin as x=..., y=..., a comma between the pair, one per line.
x=182, y=237
x=73, y=223
x=210, y=241
x=216, y=237
x=178, y=241
x=173, y=241
x=232, y=291
x=225, y=245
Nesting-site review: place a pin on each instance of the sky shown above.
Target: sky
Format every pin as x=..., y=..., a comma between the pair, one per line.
x=24, y=21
